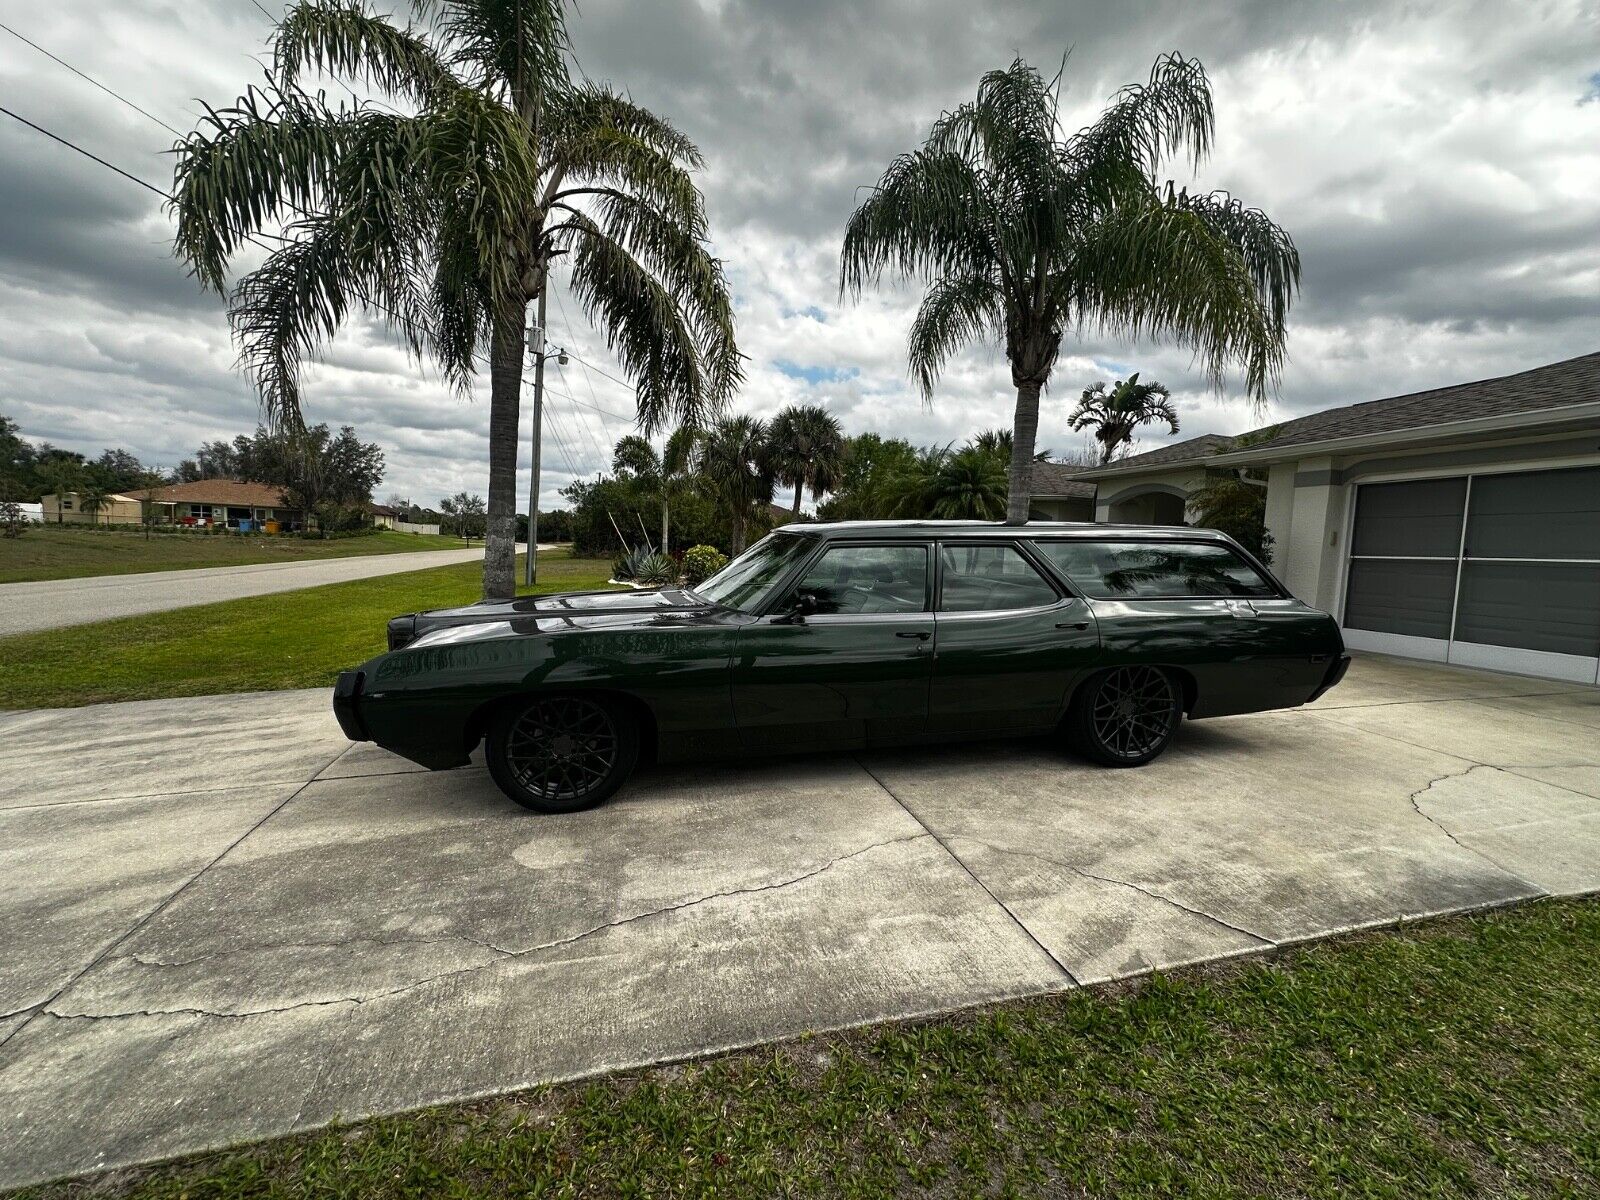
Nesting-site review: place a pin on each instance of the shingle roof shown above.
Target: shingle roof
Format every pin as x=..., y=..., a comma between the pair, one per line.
x=1574, y=381
x=1189, y=450
x=1057, y=479
x=223, y=491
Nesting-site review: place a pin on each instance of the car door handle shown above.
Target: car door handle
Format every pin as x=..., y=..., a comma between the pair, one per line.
x=921, y=635
x=1072, y=624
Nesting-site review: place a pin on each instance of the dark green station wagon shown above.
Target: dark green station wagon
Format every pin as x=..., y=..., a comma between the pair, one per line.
x=851, y=635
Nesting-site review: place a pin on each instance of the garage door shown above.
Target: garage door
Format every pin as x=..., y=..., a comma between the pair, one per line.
x=1492, y=570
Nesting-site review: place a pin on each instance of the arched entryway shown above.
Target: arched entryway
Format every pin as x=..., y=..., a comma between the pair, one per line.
x=1152, y=504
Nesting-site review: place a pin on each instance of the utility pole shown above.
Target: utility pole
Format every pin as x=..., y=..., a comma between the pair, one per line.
x=536, y=343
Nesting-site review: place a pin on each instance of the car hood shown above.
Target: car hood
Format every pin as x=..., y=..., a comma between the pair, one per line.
x=529, y=614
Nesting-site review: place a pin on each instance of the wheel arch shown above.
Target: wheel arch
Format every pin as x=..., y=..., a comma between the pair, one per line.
x=479, y=720
x=1185, y=678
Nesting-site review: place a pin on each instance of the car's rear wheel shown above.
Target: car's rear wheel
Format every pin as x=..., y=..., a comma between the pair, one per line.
x=1126, y=716
x=562, y=753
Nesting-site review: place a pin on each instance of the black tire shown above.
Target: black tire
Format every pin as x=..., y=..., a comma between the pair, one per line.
x=1126, y=716
x=562, y=753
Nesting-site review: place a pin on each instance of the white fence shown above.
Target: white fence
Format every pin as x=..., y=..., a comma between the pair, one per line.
x=410, y=527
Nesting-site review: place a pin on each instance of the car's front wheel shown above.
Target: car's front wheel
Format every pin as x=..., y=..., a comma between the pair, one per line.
x=559, y=754
x=1126, y=716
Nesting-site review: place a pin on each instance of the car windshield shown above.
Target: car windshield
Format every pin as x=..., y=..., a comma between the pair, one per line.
x=743, y=582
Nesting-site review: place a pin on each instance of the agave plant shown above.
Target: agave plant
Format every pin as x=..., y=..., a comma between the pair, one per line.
x=645, y=567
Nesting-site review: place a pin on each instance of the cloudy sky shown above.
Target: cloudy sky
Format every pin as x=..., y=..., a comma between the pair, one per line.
x=1438, y=165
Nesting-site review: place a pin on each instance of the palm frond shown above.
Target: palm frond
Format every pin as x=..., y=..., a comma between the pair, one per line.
x=930, y=215
x=504, y=44
x=346, y=39
x=956, y=310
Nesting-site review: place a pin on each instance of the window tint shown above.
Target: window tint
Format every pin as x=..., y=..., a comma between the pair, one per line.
x=991, y=579
x=1155, y=570
x=746, y=579
x=869, y=579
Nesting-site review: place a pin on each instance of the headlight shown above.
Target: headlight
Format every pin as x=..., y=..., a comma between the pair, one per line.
x=402, y=631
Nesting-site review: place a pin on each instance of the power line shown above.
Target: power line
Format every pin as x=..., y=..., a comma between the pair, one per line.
x=90, y=79
x=86, y=153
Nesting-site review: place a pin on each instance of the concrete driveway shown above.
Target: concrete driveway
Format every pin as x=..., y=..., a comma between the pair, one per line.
x=223, y=922
x=53, y=603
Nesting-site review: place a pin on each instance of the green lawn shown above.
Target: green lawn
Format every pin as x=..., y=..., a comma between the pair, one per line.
x=62, y=552
x=1455, y=1058
x=289, y=640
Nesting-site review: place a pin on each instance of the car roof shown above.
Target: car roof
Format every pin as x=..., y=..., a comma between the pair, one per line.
x=921, y=530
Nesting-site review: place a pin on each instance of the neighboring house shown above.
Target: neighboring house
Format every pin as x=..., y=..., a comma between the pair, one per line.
x=1460, y=524
x=1059, y=494
x=223, y=502
x=385, y=516
x=67, y=509
x=33, y=513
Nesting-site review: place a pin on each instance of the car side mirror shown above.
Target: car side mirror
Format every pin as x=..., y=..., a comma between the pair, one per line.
x=805, y=605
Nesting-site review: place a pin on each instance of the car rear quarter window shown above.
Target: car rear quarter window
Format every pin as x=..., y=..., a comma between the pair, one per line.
x=990, y=578
x=1118, y=570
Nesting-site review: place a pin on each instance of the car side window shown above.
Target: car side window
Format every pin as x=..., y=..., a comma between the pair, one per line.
x=990, y=579
x=1155, y=570
x=869, y=579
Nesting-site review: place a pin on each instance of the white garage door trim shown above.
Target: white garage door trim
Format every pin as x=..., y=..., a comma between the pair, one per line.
x=1512, y=659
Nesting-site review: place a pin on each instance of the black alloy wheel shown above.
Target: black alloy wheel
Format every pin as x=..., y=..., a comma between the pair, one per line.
x=1125, y=717
x=559, y=754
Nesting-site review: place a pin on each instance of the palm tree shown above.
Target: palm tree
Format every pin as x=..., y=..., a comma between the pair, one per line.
x=806, y=447
x=998, y=442
x=1021, y=236
x=734, y=470
x=443, y=217
x=668, y=472
x=967, y=485
x=94, y=500
x=1115, y=414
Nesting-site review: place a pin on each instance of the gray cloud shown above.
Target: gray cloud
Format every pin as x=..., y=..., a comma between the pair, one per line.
x=1436, y=164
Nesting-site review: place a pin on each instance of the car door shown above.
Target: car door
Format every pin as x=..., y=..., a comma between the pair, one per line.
x=1009, y=641
x=853, y=669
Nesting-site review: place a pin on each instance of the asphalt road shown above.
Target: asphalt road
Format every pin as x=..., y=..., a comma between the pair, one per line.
x=222, y=921
x=53, y=603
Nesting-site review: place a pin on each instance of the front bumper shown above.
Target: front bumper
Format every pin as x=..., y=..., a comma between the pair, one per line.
x=1336, y=670
x=347, y=705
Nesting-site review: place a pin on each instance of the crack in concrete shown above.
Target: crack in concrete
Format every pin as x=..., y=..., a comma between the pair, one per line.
x=1127, y=883
x=1444, y=829
x=332, y=944
x=502, y=954
x=973, y=875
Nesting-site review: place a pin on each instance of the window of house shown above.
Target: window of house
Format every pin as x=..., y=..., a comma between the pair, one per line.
x=1155, y=570
x=990, y=579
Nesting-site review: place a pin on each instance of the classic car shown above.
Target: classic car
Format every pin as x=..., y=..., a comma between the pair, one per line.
x=851, y=635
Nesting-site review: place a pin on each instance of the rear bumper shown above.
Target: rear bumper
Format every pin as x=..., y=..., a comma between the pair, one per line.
x=1336, y=670
x=347, y=705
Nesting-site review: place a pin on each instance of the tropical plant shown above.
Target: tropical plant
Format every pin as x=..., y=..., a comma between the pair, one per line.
x=667, y=473
x=869, y=461
x=645, y=567
x=702, y=562
x=965, y=485
x=998, y=441
x=1021, y=236
x=805, y=446
x=93, y=500
x=1237, y=505
x=463, y=516
x=1115, y=413
x=442, y=216
x=734, y=470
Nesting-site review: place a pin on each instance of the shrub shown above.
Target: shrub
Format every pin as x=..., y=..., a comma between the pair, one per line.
x=702, y=562
x=646, y=568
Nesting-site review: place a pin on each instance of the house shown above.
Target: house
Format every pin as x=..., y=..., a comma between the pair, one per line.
x=224, y=503
x=1459, y=524
x=66, y=508
x=385, y=516
x=1059, y=493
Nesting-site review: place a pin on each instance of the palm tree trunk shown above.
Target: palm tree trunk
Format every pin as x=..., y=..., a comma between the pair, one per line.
x=664, y=520
x=505, y=393
x=1024, y=432
x=799, y=486
x=738, y=534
